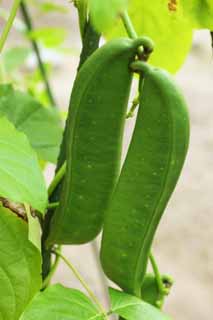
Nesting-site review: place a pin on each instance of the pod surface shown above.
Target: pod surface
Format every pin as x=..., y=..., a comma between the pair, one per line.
x=151, y=170
x=94, y=133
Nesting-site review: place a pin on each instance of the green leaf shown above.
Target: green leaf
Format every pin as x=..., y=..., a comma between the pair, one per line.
x=20, y=266
x=50, y=37
x=104, y=13
x=41, y=125
x=58, y=302
x=199, y=13
x=47, y=7
x=20, y=175
x=13, y=58
x=34, y=228
x=132, y=308
x=171, y=32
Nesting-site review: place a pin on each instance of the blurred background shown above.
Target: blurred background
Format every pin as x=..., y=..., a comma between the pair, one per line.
x=183, y=245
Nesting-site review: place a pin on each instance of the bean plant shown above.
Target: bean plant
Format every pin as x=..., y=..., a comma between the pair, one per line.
x=93, y=192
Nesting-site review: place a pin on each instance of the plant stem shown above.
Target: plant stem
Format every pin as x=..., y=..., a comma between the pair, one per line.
x=132, y=33
x=9, y=23
x=58, y=177
x=28, y=22
x=46, y=252
x=211, y=34
x=82, y=15
x=90, y=42
x=47, y=280
x=103, y=280
x=81, y=280
x=128, y=25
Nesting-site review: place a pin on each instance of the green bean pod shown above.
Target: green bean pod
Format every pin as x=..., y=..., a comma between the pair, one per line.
x=94, y=133
x=151, y=170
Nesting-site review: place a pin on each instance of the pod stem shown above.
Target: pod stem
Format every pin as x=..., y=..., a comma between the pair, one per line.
x=161, y=287
x=29, y=26
x=53, y=269
x=145, y=50
x=57, y=179
x=128, y=25
x=9, y=23
x=82, y=281
x=130, y=29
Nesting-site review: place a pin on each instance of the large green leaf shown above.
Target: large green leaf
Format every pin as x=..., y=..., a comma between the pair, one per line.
x=20, y=266
x=171, y=31
x=104, y=13
x=199, y=13
x=20, y=175
x=41, y=125
x=132, y=308
x=58, y=302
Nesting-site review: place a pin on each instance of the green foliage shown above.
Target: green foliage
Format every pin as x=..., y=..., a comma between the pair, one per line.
x=104, y=13
x=58, y=302
x=15, y=57
x=20, y=266
x=199, y=13
x=41, y=125
x=17, y=24
x=132, y=308
x=170, y=31
x=50, y=37
x=49, y=6
x=20, y=174
x=33, y=83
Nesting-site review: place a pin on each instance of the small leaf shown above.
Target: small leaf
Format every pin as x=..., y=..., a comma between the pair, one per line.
x=50, y=37
x=58, y=302
x=47, y=7
x=132, y=308
x=20, y=175
x=34, y=228
x=41, y=125
x=104, y=13
x=15, y=57
x=20, y=266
